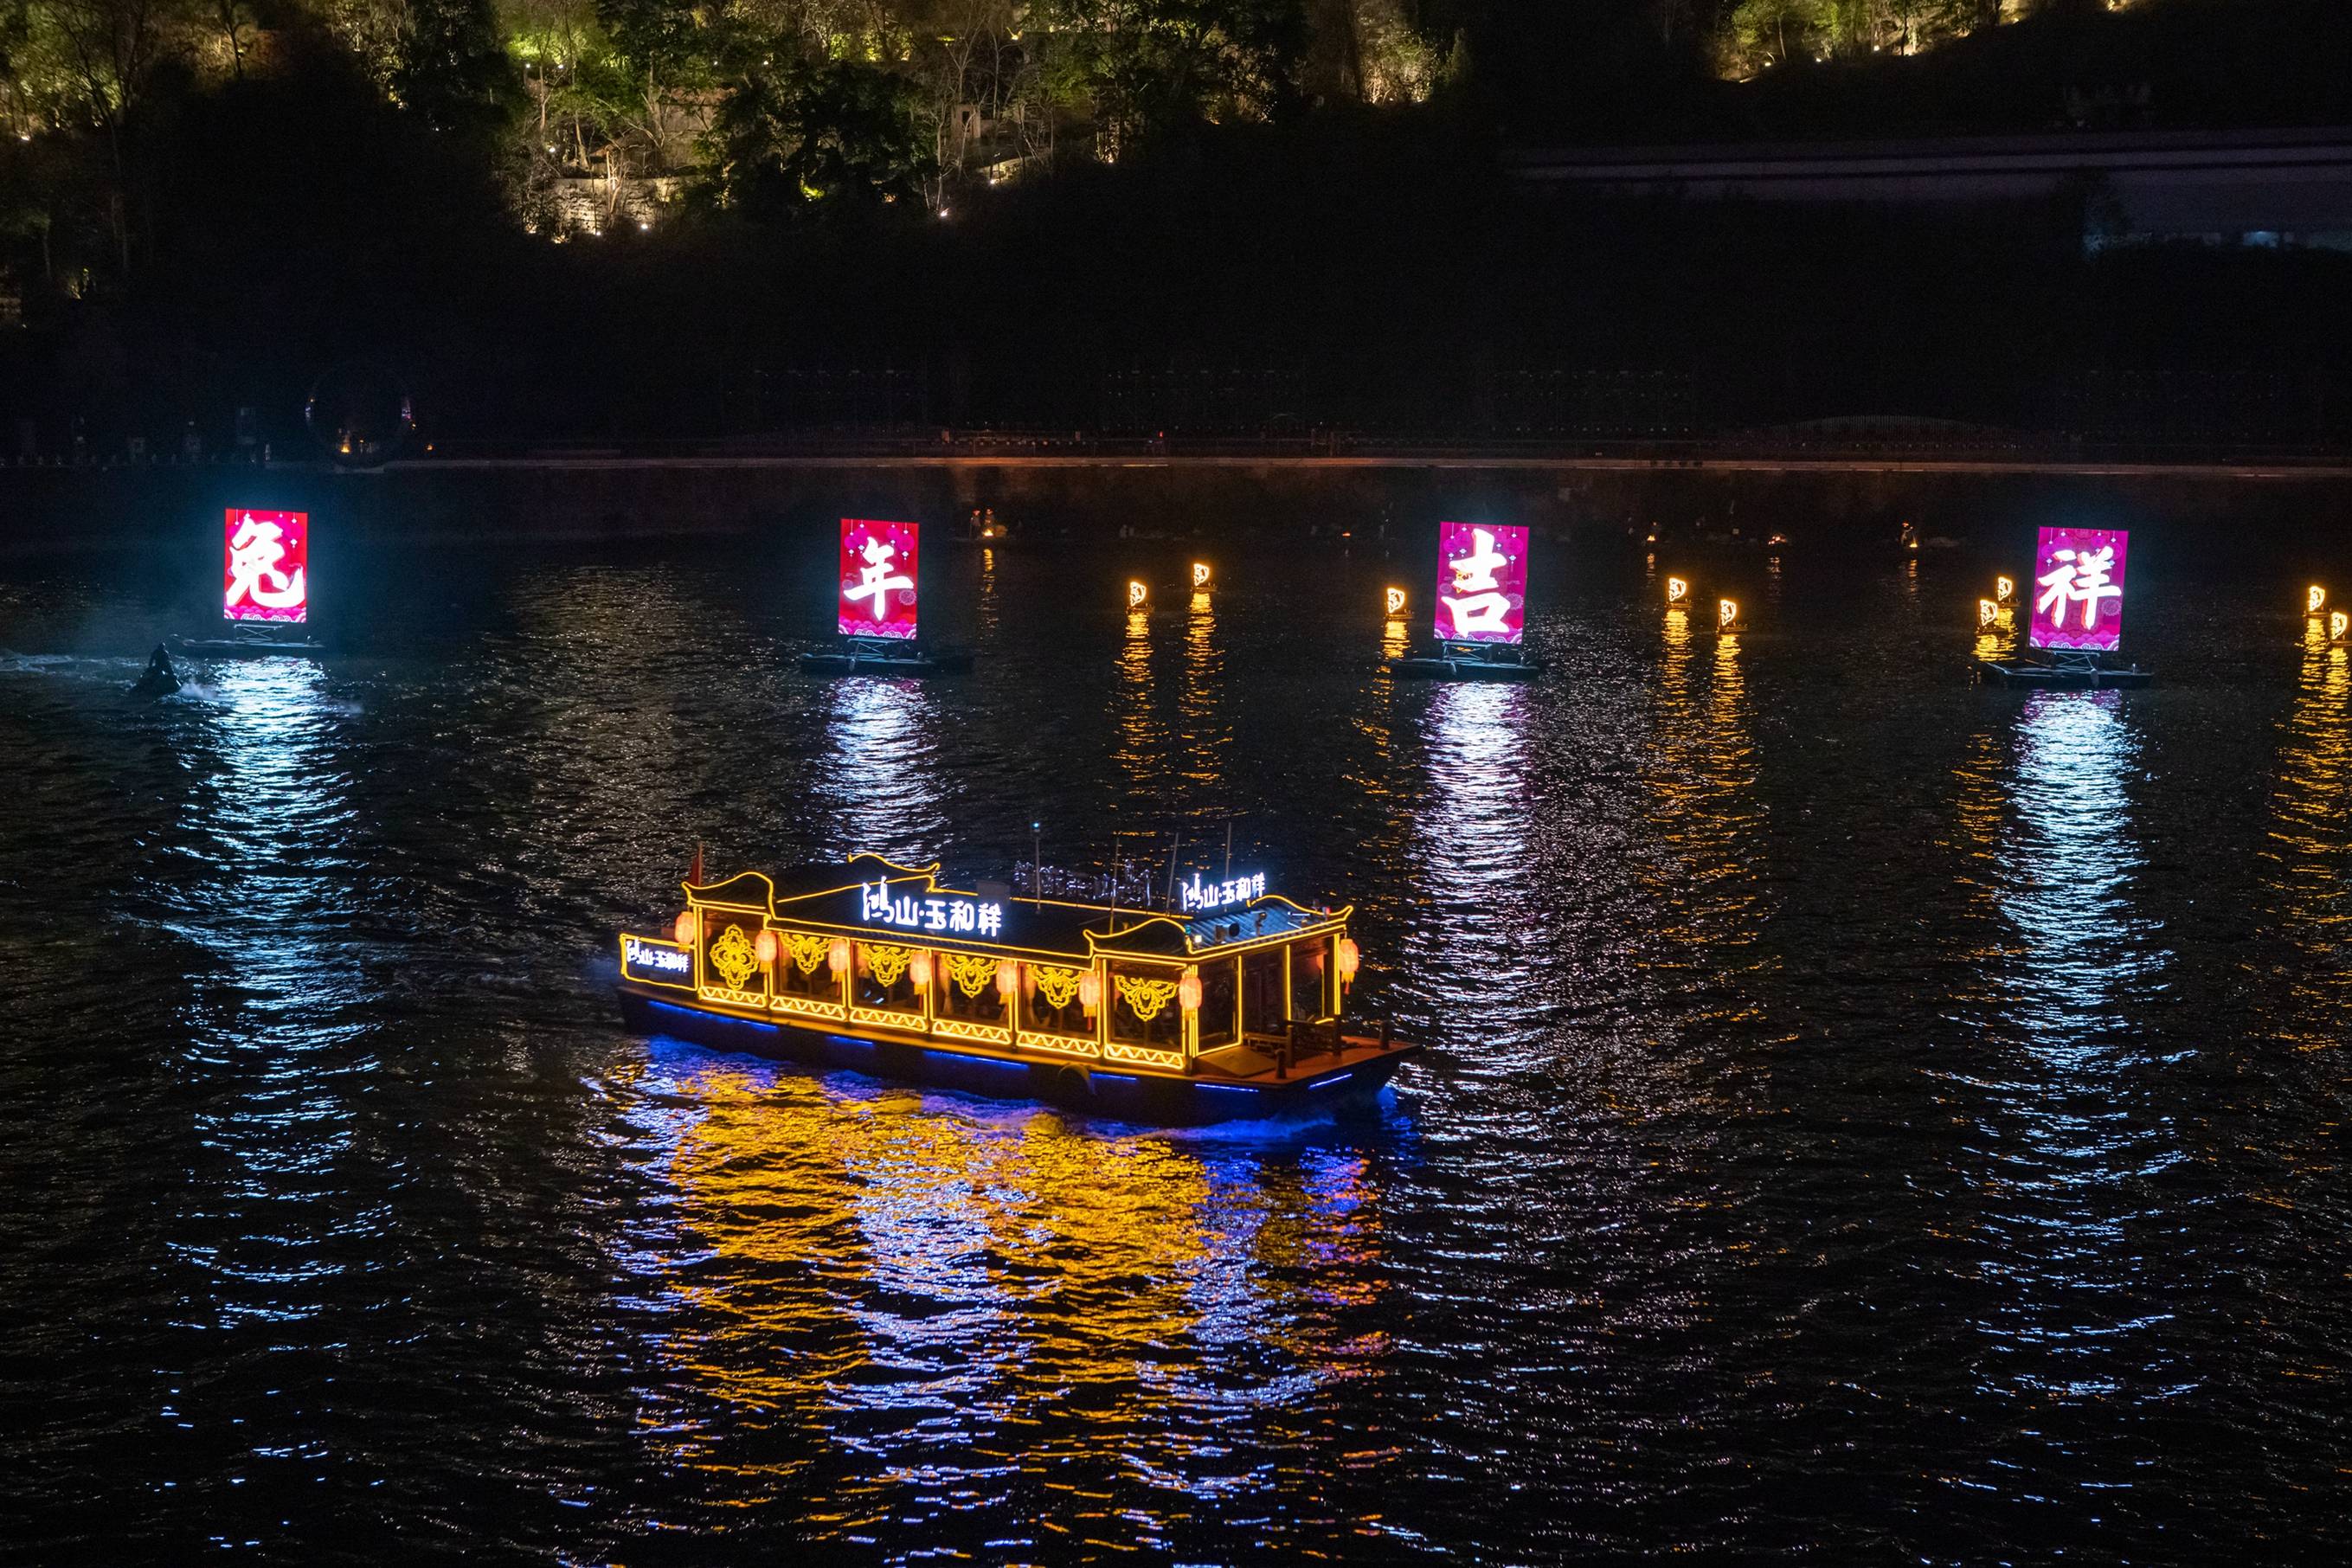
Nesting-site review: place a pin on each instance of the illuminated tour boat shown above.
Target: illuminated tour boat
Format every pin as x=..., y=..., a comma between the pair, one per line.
x=874, y=606
x=1481, y=613
x=2075, y=605
x=1227, y=1006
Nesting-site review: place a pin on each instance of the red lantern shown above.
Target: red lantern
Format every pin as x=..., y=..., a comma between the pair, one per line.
x=1188, y=990
x=1090, y=991
x=1008, y=978
x=766, y=947
x=684, y=929
x=836, y=956
x=1351, y=958
x=919, y=970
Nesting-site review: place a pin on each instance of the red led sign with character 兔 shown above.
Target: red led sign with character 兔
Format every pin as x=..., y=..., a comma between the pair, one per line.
x=266, y=570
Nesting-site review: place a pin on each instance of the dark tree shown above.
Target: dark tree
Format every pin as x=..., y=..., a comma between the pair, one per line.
x=453, y=67
x=815, y=131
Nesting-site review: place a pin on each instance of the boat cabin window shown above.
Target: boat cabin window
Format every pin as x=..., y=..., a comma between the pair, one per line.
x=966, y=988
x=804, y=968
x=1310, y=979
x=1264, y=1000
x=881, y=980
x=1144, y=1009
x=1221, y=1003
x=730, y=953
x=1050, y=1003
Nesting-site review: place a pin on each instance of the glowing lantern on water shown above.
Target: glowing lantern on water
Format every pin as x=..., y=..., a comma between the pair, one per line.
x=1188, y=990
x=1351, y=958
x=1136, y=593
x=685, y=929
x=2004, y=589
x=1726, y=613
x=1199, y=573
x=1677, y=591
x=1986, y=612
x=919, y=970
x=1090, y=993
x=766, y=947
x=2338, y=624
x=1396, y=602
x=1008, y=978
x=2315, y=599
x=836, y=956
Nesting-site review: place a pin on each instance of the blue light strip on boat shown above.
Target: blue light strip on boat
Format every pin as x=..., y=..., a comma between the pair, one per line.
x=1335, y=1078
x=713, y=1017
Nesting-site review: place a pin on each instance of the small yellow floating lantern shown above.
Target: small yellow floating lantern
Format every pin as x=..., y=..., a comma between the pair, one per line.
x=1726, y=615
x=1986, y=612
x=2338, y=626
x=1136, y=593
x=2315, y=599
x=1677, y=591
x=1200, y=574
x=2004, y=590
x=1396, y=603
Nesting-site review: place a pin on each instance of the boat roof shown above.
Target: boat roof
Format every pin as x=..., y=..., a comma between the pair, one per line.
x=871, y=897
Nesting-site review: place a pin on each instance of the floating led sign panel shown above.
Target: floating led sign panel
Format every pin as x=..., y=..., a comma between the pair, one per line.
x=878, y=578
x=1482, y=583
x=2078, y=589
x=266, y=572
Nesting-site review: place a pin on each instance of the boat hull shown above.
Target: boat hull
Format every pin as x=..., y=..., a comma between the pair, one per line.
x=1097, y=1088
x=1421, y=668
x=2050, y=677
x=246, y=647
x=951, y=661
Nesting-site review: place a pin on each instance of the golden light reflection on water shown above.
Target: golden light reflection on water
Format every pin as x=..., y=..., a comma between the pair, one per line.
x=2309, y=840
x=929, y=1302
x=1701, y=770
x=1141, y=742
x=1204, y=733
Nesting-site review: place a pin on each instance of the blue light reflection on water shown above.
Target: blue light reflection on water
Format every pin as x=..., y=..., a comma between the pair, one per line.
x=1789, y=1192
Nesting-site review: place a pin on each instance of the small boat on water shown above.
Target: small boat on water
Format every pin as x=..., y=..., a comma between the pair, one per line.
x=1481, y=609
x=1228, y=1007
x=887, y=659
x=2085, y=675
x=1466, y=661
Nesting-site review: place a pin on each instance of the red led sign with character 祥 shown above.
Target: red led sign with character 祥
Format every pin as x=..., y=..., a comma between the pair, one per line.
x=266, y=570
x=1482, y=583
x=878, y=578
x=2078, y=588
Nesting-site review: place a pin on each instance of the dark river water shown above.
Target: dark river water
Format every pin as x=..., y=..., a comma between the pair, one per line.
x=1871, y=1119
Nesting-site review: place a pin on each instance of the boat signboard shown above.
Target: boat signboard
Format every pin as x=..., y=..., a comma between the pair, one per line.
x=266, y=566
x=1482, y=583
x=878, y=578
x=2078, y=589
